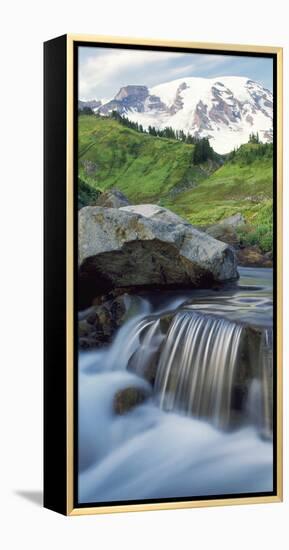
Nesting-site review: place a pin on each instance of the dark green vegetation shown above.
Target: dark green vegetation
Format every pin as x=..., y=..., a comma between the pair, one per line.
x=190, y=179
x=167, y=132
x=203, y=152
x=87, y=195
x=145, y=168
x=260, y=231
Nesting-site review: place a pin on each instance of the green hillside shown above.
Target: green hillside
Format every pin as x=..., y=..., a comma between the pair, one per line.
x=234, y=187
x=243, y=184
x=143, y=167
x=153, y=169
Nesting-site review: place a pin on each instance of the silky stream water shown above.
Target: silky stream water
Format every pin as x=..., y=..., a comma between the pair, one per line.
x=207, y=427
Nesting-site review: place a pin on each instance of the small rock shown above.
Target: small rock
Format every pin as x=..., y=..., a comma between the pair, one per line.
x=129, y=398
x=84, y=328
x=149, y=367
x=93, y=341
x=98, y=323
x=112, y=199
x=224, y=232
x=92, y=317
x=235, y=220
x=252, y=256
x=90, y=167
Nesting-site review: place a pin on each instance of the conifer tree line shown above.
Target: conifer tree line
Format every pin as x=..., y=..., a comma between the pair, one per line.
x=254, y=138
x=202, y=149
x=167, y=132
x=246, y=154
x=86, y=111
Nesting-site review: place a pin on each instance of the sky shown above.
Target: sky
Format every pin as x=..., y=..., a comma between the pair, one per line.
x=103, y=71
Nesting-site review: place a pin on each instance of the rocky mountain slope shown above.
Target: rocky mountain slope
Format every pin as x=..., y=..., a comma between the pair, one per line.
x=224, y=109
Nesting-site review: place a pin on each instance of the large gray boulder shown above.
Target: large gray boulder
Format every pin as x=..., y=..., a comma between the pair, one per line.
x=155, y=212
x=121, y=248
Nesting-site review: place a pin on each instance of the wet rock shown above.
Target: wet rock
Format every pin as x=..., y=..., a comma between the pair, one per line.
x=91, y=342
x=149, y=368
x=252, y=256
x=165, y=322
x=129, y=398
x=253, y=384
x=84, y=328
x=97, y=324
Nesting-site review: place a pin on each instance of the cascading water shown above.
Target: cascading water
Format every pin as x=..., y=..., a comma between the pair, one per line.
x=148, y=346
x=206, y=373
x=196, y=368
x=267, y=378
x=260, y=399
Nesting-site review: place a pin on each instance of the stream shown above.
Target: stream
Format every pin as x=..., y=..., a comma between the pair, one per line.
x=204, y=359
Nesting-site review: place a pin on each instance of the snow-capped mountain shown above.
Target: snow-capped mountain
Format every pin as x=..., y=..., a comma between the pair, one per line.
x=224, y=109
x=90, y=104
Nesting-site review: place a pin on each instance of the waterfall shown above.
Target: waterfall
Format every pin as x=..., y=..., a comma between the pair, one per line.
x=260, y=399
x=202, y=368
x=267, y=378
x=150, y=340
x=205, y=362
x=197, y=365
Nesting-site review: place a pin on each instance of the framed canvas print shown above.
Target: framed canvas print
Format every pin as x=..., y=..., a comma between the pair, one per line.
x=163, y=296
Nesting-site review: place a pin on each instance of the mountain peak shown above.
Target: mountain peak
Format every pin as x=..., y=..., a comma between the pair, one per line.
x=140, y=92
x=226, y=109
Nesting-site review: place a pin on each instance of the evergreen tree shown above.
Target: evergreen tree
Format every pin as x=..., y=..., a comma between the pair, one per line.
x=85, y=111
x=254, y=138
x=203, y=151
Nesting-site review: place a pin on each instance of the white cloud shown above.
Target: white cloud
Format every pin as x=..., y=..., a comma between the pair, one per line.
x=117, y=66
x=103, y=71
x=197, y=62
